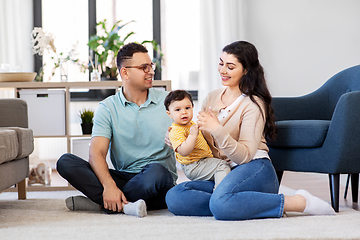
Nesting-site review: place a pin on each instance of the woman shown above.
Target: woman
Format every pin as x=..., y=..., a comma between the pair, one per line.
x=235, y=121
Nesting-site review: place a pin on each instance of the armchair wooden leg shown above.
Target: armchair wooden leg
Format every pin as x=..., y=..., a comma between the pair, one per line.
x=347, y=186
x=334, y=180
x=22, y=189
x=279, y=175
x=355, y=186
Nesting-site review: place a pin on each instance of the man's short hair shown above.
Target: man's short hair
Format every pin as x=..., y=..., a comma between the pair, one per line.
x=127, y=51
x=177, y=95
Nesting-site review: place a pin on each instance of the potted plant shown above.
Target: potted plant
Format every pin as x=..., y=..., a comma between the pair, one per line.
x=86, y=117
x=107, y=45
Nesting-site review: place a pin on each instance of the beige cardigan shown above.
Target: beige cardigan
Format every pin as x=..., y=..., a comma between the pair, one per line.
x=240, y=134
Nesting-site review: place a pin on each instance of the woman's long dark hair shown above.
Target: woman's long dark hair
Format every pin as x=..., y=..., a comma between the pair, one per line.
x=253, y=82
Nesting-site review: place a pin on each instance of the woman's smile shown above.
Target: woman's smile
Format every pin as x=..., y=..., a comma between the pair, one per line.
x=225, y=78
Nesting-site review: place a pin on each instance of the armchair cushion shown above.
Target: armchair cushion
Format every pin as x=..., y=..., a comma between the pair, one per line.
x=9, y=146
x=26, y=141
x=300, y=133
x=15, y=143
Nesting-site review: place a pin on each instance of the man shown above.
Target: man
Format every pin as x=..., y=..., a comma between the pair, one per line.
x=133, y=122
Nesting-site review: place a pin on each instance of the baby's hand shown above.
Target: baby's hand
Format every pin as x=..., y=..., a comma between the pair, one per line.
x=194, y=130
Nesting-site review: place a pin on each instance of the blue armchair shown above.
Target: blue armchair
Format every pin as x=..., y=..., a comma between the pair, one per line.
x=320, y=132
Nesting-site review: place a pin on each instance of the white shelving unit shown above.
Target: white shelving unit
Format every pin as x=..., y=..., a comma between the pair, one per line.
x=67, y=87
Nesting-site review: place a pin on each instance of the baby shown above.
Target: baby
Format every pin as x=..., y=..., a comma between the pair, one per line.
x=190, y=146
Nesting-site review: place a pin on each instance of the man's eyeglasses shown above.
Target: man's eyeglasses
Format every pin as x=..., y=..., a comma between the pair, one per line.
x=145, y=67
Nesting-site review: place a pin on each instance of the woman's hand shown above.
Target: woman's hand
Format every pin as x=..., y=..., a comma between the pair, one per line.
x=208, y=121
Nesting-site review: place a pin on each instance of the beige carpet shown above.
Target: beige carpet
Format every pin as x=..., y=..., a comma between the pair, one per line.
x=44, y=216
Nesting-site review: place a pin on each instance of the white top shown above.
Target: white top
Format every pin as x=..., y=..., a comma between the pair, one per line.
x=223, y=114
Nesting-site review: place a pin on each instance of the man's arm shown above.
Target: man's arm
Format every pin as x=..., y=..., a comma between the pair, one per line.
x=113, y=197
x=188, y=145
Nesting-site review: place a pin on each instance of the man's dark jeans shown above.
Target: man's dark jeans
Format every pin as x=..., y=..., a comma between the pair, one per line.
x=151, y=184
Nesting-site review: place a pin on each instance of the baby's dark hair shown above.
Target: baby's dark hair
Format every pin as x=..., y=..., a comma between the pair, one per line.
x=177, y=95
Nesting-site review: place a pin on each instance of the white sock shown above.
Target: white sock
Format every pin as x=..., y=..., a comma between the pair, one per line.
x=314, y=205
x=81, y=203
x=137, y=208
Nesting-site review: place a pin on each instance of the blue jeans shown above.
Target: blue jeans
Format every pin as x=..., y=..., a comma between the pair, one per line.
x=151, y=184
x=249, y=191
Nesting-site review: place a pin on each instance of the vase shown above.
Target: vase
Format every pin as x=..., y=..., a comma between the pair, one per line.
x=95, y=76
x=63, y=70
x=86, y=128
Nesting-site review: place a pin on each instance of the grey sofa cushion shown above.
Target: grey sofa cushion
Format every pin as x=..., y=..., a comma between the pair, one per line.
x=15, y=143
x=26, y=141
x=9, y=145
x=300, y=133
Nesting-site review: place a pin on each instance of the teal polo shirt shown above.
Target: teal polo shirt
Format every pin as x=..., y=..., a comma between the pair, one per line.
x=136, y=133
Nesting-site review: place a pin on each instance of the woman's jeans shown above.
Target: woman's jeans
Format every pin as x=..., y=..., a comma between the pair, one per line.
x=151, y=184
x=249, y=191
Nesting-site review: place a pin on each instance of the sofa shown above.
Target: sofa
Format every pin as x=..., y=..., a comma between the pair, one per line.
x=16, y=144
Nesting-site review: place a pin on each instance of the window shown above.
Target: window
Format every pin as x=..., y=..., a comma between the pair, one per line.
x=67, y=20
x=69, y=25
x=180, y=34
x=139, y=11
x=181, y=43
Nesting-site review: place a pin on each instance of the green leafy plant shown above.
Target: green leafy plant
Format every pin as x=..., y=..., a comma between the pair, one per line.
x=86, y=115
x=107, y=45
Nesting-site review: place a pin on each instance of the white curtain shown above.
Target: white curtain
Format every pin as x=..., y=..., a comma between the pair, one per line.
x=221, y=22
x=16, y=23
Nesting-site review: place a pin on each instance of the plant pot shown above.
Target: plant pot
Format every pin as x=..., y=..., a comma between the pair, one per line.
x=86, y=128
x=109, y=78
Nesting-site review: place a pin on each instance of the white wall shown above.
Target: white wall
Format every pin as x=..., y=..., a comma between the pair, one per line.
x=303, y=43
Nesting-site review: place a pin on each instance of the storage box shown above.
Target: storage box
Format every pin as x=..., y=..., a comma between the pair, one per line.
x=81, y=147
x=46, y=111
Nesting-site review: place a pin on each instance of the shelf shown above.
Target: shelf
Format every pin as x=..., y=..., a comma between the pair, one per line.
x=64, y=136
x=57, y=184
x=80, y=136
x=89, y=85
x=67, y=86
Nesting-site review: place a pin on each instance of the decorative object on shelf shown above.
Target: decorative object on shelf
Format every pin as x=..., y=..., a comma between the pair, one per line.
x=107, y=44
x=6, y=67
x=17, y=76
x=63, y=65
x=95, y=74
x=41, y=174
x=43, y=41
x=86, y=116
x=9, y=73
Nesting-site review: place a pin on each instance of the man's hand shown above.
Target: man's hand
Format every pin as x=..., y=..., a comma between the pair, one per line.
x=114, y=199
x=167, y=139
